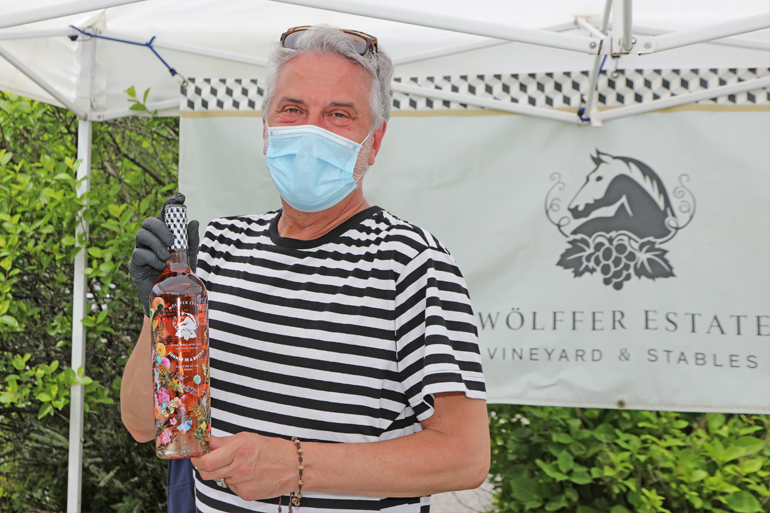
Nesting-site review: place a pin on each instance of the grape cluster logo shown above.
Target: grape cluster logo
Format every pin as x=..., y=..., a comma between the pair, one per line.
x=618, y=220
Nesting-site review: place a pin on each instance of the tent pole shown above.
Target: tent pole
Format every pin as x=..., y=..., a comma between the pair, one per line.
x=195, y=50
x=16, y=63
x=618, y=27
x=595, y=71
x=53, y=11
x=489, y=103
x=628, y=30
x=75, y=461
x=121, y=113
x=682, y=99
x=384, y=11
x=443, y=52
x=732, y=41
x=31, y=34
x=718, y=31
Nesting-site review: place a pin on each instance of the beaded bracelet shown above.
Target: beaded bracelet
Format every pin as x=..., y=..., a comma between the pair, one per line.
x=294, y=498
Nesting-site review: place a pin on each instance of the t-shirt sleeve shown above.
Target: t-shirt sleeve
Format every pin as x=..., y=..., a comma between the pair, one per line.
x=436, y=335
x=205, y=255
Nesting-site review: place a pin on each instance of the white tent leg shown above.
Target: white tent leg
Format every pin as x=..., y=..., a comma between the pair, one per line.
x=75, y=462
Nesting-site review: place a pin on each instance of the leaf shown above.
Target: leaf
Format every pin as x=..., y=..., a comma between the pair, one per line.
x=116, y=210
x=5, y=157
x=556, y=503
x=526, y=489
x=138, y=106
x=715, y=421
x=10, y=321
x=17, y=363
x=565, y=461
x=580, y=477
x=576, y=256
x=551, y=471
x=743, y=502
x=146, y=93
x=605, y=433
x=751, y=444
x=131, y=91
x=751, y=466
x=45, y=409
x=652, y=262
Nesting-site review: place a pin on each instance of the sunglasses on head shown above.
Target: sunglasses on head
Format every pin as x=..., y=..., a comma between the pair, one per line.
x=362, y=42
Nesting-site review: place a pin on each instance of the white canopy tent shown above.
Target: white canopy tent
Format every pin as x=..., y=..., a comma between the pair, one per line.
x=49, y=53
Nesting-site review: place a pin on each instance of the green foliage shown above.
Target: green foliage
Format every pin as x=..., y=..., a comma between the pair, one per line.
x=583, y=460
x=133, y=170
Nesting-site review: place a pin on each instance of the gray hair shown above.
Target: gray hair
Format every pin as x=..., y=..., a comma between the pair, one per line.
x=323, y=39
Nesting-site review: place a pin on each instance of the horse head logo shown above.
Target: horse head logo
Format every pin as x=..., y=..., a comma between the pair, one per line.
x=622, y=212
x=186, y=326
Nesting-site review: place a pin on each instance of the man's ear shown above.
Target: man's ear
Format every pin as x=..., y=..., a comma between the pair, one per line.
x=264, y=137
x=377, y=137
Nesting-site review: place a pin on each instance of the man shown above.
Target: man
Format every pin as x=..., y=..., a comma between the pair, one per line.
x=330, y=320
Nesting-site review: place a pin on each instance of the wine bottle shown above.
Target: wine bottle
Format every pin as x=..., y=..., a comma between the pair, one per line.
x=180, y=351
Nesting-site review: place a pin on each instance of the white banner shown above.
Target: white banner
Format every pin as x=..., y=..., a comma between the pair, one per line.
x=622, y=266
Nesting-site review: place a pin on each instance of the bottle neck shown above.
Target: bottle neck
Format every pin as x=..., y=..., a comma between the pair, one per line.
x=178, y=260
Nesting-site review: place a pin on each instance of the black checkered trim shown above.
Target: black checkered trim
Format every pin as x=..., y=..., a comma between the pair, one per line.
x=547, y=90
x=175, y=217
x=224, y=94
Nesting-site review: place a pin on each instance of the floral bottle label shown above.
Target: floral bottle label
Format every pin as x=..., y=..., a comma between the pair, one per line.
x=181, y=375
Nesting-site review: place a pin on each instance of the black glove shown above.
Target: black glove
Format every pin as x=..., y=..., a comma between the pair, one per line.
x=151, y=252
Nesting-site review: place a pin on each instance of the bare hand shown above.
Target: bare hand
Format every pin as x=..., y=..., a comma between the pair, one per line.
x=253, y=466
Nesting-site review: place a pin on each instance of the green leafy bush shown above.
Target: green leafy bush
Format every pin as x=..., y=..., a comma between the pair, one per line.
x=133, y=170
x=568, y=459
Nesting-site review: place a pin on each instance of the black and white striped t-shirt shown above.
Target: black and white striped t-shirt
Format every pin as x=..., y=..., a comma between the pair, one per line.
x=340, y=339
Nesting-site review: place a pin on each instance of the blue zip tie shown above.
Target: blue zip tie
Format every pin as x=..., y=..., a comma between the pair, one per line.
x=581, y=110
x=148, y=44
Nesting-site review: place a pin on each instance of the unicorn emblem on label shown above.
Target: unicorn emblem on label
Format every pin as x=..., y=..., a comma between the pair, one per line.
x=618, y=220
x=186, y=327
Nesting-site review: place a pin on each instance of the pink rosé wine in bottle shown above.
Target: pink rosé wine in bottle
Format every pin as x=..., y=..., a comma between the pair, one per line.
x=180, y=351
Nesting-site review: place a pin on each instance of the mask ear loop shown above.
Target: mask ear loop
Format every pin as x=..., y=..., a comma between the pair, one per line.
x=360, y=178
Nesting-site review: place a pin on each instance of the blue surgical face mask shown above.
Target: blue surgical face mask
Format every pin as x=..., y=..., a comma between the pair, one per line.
x=312, y=168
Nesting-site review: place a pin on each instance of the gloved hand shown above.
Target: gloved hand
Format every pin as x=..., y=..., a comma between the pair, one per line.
x=151, y=252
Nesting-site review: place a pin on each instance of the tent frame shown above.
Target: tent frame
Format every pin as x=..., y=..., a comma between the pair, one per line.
x=59, y=11
x=598, y=43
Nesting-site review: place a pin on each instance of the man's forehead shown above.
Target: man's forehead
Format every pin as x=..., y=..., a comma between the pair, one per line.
x=326, y=74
